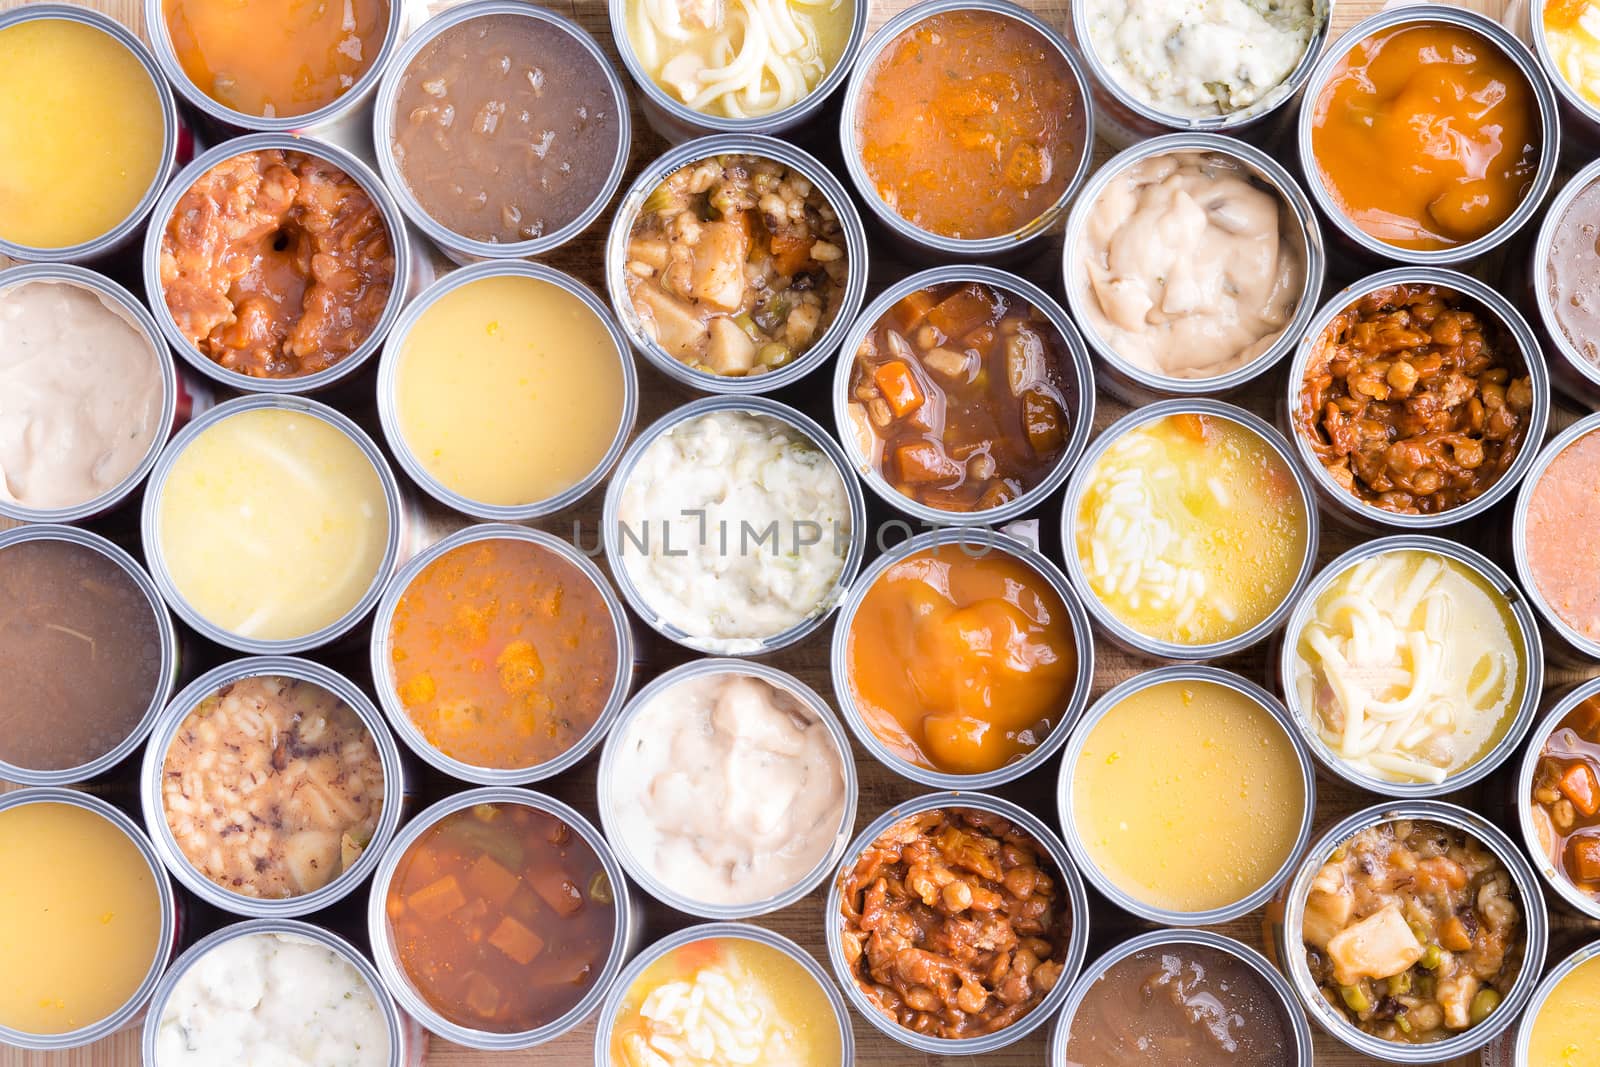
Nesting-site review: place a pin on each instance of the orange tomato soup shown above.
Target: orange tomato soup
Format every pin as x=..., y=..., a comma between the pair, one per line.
x=1426, y=136
x=503, y=653
x=969, y=124
x=958, y=664
x=502, y=917
x=276, y=58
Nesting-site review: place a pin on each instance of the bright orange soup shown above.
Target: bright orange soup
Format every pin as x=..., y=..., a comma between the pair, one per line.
x=960, y=664
x=970, y=124
x=502, y=917
x=503, y=653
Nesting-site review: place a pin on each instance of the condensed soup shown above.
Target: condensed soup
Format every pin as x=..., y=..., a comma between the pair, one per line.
x=1188, y=795
x=1573, y=275
x=509, y=390
x=1410, y=666
x=1572, y=35
x=722, y=1001
x=276, y=58
x=81, y=394
x=727, y=788
x=273, y=524
x=1561, y=566
x=1426, y=136
x=1563, y=1030
x=1191, y=529
x=81, y=132
x=80, y=650
x=80, y=918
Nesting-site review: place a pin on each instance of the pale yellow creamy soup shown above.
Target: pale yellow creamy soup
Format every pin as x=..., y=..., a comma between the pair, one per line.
x=273, y=524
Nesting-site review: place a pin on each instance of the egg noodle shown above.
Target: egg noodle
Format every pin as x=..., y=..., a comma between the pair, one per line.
x=740, y=58
x=1408, y=667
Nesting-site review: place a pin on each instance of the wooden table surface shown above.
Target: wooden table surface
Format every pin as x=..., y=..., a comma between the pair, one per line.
x=879, y=787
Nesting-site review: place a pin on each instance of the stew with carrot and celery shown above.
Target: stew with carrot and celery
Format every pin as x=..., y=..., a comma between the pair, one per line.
x=1566, y=796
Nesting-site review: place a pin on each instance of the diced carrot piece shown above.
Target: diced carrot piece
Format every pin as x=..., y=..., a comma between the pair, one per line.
x=965, y=310
x=516, y=941
x=491, y=881
x=899, y=387
x=1439, y=873
x=437, y=899
x=790, y=253
x=1195, y=427
x=913, y=308
x=1585, y=719
x=556, y=890
x=1453, y=935
x=1583, y=858
x=482, y=996
x=924, y=463
x=1578, y=785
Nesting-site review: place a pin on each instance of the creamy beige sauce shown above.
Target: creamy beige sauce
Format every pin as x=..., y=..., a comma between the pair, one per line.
x=1193, y=267
x=80, y=395
x=728, y=789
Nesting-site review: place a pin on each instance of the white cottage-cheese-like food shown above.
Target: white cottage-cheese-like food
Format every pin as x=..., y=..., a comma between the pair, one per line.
x=1197, y=58
x=728, y=789
x=734, y=527
x=272, y=1000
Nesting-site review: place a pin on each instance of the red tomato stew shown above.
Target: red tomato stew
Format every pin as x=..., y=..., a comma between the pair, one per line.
x=502, y=917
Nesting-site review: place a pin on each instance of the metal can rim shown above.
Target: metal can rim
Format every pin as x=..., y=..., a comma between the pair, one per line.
x=1554, y=877
x=772, y=122
x=1067, y=811
x=1275, y=99
x=393, y=974
x=750, y=405
x=1415, y=11
x=155, y=553
x=685, y=155
x=1082, y=418
x=714, y=931
x=1536, y=922
x=1511, y=321
x=1543, y=457
x=1267, y=170
x=400, y=719
x=292, y=929
x=155, y=21
x=166, y=938
x=167, y=669
x=358, y=172
x=152, y=767
x=1119, y=632
x=389, y=385
x=1077, y=906
x=1293, y=1018
x=458, y=246
x=124, y=229
x=606, y=799
x=989, y=540
x=1532, y=649
x=107, y=289
x=897, y=224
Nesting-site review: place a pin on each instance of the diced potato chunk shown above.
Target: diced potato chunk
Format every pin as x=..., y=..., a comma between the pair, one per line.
x=1327, y=912
x=731, y=351
x=719, y=261
x=1379, y=946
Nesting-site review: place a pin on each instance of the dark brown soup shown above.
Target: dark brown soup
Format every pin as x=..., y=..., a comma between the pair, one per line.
x=505, y=128
x=80, y=653
x=1180, y=1004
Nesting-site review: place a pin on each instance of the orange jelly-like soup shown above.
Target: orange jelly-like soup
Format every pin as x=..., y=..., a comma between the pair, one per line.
x=276, y=58
x=1426, y=136
x=503, y=653
x=970, y=125
x=502, y=917
x=961, y=664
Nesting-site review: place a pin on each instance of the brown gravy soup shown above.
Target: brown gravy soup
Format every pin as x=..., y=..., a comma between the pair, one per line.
x=80, y=653
x=505, y=128
x=1172, y=1004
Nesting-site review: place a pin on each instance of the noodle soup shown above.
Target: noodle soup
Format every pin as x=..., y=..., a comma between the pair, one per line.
x=739, y=59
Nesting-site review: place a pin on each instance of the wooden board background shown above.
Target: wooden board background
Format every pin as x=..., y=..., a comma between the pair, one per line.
x=879, y=787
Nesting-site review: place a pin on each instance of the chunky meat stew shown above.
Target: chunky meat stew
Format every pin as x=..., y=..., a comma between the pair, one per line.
x=1413, y=930
x=1566, y=796
x=955, y=923
x=736, y=265
x=1414, y=400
